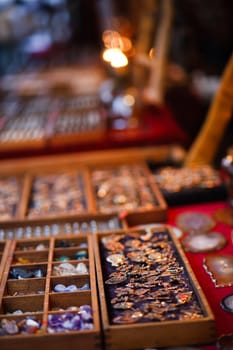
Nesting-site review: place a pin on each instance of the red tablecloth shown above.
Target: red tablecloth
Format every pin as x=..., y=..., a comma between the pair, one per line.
x=214, y=295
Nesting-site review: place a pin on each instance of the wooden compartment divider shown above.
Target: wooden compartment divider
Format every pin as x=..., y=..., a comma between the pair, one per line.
x=26, y=188
x=4, y=251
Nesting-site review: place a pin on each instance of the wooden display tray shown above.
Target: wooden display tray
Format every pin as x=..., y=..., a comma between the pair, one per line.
x=82, y=137
x=41, y=305
x=52, y=139
x=149, y=334
x=84, y=163
x=15, y=146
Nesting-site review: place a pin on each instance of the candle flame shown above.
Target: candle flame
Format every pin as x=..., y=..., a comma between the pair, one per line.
x=115, y=57
x=115, y=48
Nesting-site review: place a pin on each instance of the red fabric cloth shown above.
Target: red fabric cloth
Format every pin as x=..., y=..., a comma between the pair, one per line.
x=156, y=126
x=214, y=295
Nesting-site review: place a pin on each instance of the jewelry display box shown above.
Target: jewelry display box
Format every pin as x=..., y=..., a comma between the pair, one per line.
x=82, y=186
x=116, y=193
x=38, y=122
x=33, y=270
x=148, y=293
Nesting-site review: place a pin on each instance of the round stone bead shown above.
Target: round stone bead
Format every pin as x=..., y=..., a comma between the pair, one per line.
x=9, y=326
x=59, y=288
x=82, y=254
x=63, y=258
x=71, y=288
x=40, y=247
x=86, y=286
x=65, y=269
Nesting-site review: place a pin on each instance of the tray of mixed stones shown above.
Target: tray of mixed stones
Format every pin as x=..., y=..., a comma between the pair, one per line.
x=49, y=289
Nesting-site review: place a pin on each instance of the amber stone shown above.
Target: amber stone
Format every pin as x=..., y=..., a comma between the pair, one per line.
x=220, y=268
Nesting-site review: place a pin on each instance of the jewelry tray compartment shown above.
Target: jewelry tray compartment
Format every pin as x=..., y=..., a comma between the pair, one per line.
x=125, y=188
x=88, y=186
x=148, y=292
x=78, y=126
x=48, y=294
x=184, y=185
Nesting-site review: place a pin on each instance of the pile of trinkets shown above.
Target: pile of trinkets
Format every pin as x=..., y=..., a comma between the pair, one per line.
x=190, y=184
x=145, y=279
x=125, y=187
x=27, y=325
x=74, y=319
x=171, y=179
x=57, y=194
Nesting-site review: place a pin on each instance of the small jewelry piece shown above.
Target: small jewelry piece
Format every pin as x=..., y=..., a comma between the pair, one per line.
x=227, y=303
x=220, y=268
x=123, y=305
x=116, y=280
x=194, y=222
x=116, y=259
x=128, y=317
x=202, y=242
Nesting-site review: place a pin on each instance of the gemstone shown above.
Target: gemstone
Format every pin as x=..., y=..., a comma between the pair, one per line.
x=31, y=326
x=17, y=312
x=195, y=222
x=63, y=258
x=82, y=254
x=116, y=259
x=71, y=288
x=203, y=242
x=64, y=269
x=38, y=273
x=86, y=286
x=227, y=303
x=22, y=260
x=10, y=327
x=220, y=268
x=73, y=319
x=40, y=247
x=59, y=288
x=81, y=268
x=19, y=273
